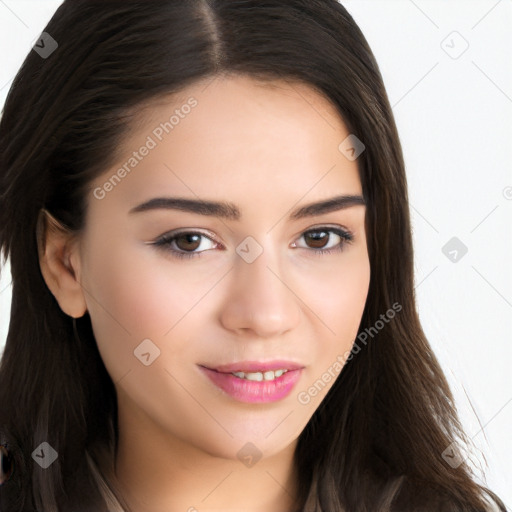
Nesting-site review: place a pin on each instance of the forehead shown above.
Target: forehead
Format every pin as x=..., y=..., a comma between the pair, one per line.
x=235, y=138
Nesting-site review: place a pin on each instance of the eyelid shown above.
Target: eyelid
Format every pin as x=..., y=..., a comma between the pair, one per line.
x=317, y=227
x=213, y=236
x=202, y=231
x=346, y=235
x=180, y=231
x=164, y=241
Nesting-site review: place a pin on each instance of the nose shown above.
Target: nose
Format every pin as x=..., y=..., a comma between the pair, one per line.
x=260, y=301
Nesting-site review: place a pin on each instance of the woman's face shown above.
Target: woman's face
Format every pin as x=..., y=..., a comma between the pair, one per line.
x=244, y=282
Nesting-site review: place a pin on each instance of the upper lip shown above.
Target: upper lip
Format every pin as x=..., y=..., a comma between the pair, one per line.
x=256, y=366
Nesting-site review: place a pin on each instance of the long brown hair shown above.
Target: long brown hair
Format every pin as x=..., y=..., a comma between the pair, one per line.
x=376, y=441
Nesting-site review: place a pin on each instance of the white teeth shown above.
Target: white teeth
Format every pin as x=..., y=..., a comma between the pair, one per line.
x=259, y=376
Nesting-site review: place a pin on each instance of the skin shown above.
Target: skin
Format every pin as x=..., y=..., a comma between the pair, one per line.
x=268, y=148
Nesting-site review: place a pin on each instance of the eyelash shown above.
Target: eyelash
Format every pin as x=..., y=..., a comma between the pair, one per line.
x=166, y=240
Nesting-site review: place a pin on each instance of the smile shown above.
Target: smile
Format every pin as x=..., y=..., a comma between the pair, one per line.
x=255, y=387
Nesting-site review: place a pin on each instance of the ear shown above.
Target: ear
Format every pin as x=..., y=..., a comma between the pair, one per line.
x=59, y=262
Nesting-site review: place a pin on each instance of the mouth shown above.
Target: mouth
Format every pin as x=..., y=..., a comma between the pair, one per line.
x=256, y=366
x=255, y=382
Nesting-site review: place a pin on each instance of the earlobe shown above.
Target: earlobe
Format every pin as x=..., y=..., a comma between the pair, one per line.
x=56, y=250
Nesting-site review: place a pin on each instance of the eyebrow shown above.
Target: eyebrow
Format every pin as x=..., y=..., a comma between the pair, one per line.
x=230, y=211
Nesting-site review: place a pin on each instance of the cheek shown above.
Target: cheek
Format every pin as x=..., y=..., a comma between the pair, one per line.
x=348, y=292
x=131, y=298
x=337, y=306
x=336, y=296
x=138, y=293
x=141, y=291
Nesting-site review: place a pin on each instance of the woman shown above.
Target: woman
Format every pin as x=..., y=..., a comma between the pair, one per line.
x=205, y=209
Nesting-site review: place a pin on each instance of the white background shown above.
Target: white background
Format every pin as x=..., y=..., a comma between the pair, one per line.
x=454, y=114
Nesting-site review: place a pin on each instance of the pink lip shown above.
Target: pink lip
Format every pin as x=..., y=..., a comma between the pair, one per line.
x=249, y=391
x=255, y=366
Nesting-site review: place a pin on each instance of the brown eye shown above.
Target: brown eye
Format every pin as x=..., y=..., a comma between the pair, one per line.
x=317, y=239
x=325, y=240
x=185, y=244
x=188, y=241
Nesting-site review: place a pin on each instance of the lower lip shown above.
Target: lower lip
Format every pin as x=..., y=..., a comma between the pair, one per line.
x=251, y=391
